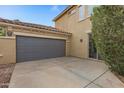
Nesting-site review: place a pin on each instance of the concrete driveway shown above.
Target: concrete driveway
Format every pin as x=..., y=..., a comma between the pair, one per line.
x=63, y=72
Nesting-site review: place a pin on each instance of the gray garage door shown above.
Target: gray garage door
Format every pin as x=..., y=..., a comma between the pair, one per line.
x=33, y=48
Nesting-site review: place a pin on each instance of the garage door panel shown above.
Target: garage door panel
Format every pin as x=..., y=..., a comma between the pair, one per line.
x=31, y=48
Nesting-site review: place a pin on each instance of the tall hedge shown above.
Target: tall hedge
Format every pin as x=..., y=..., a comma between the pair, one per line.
x=108, y=35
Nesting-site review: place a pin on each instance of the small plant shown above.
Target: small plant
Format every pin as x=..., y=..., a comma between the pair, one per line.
x=2, y=32
x=108, y=34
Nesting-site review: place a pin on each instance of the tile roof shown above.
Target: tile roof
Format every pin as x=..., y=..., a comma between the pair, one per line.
x=38, y=26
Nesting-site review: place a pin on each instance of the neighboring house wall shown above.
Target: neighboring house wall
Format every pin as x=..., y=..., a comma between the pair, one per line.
x=8, y=44
x=79, y=30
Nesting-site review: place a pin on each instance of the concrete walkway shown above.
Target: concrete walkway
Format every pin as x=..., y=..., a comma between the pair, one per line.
x=63, y=72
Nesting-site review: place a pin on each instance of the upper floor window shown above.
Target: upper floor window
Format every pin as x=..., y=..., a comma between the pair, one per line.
x=81, y=13
x=90, y=10
x=2, y=31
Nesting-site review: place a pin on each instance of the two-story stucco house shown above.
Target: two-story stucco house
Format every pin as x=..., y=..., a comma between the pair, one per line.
x=71, y=36
x=76, y=20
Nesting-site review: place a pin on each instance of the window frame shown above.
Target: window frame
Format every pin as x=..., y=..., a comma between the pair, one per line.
x=81, y=15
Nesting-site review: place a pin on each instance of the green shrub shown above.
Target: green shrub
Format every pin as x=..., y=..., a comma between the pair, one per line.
x=108, y=34
x=2, y=31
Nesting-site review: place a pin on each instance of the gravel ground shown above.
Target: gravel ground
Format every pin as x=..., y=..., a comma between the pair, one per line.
x=5, y=74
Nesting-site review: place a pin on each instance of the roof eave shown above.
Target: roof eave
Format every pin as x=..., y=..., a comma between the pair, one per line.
x=63, y=12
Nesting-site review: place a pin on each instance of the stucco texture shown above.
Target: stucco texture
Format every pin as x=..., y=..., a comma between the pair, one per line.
x=79, y=29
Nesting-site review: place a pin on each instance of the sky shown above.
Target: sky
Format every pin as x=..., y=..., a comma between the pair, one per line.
x=42, y=14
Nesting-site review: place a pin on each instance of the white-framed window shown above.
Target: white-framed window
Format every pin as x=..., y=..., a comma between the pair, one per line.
x=81, y=12
x=90, y=10
x=2, y=31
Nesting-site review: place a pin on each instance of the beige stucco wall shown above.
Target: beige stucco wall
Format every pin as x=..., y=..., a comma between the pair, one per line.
x=79, y=30
x=62, y=24
x=8, y=44
x=7, y=50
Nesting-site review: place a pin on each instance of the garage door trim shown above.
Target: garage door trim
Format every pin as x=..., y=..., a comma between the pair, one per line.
x=40, y=36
